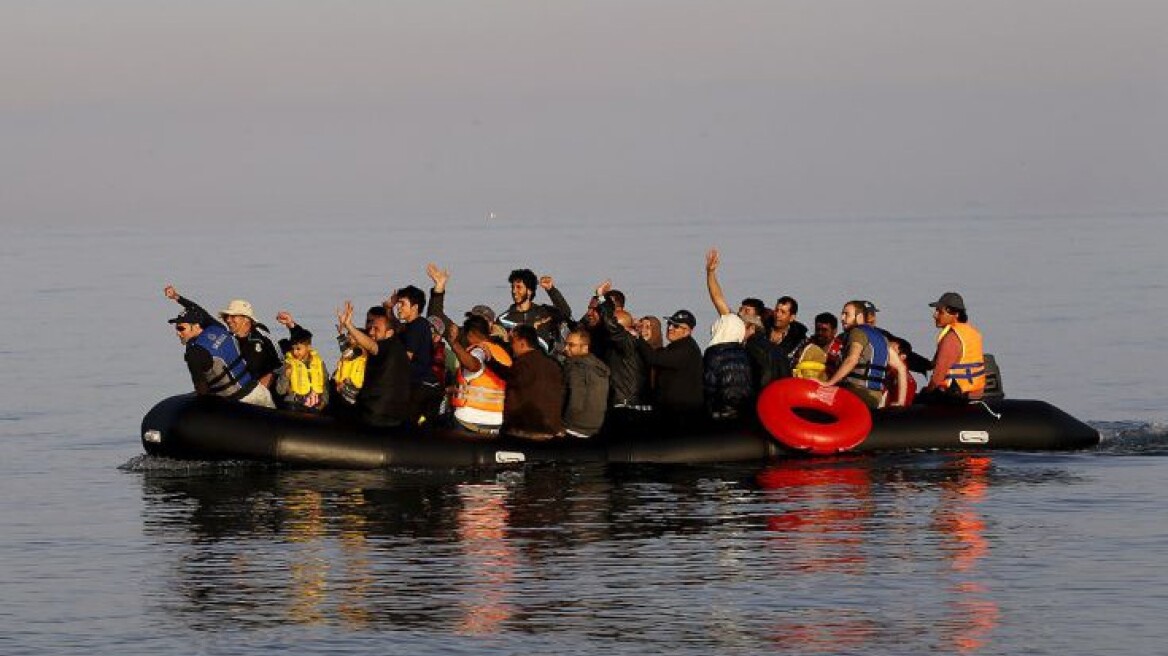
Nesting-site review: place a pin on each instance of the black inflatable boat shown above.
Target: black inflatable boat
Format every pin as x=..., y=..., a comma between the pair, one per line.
x=207, y=428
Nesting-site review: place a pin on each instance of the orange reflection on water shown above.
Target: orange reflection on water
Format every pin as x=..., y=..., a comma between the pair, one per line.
x=309, y=571
x=353, y=607
x=491, y=560
x=825, y=529
x=974, y=615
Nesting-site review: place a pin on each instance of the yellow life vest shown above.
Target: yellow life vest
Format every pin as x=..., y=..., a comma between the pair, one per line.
x=351, y=370
x=969, y=372
x=486, y=391
x=812, y=363
x=305, y=378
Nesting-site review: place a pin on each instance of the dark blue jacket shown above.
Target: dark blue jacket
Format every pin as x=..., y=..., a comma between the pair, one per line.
x=727, y=379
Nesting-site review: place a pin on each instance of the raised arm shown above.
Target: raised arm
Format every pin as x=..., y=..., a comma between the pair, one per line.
x=284, y=318
x=712, y=284
x=465, y=359
x=437, y=305
x=558, y=301
x=188, y=304
x=358, y=336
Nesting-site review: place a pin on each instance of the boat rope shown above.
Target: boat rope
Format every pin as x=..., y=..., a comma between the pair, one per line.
x=995, y=415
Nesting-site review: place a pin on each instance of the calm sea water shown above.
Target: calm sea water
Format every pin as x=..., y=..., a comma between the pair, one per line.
x=106, y=551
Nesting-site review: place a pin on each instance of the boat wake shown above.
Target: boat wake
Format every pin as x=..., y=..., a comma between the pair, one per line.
x=149, y=463
x=1132, y=438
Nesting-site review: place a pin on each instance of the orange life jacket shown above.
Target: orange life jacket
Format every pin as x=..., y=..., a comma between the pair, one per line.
x=969, y=372
x=486, y=391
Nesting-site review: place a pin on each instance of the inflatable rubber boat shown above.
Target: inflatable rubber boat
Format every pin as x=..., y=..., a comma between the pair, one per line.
x=207, y=428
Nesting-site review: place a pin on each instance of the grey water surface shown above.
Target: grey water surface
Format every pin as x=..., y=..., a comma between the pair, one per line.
x=107, y=551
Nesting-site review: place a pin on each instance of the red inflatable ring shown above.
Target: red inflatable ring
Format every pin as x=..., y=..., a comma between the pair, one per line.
x=850, y=421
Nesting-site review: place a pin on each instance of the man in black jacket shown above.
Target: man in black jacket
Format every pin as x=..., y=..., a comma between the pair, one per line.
x=679, y=370
x=629, y=376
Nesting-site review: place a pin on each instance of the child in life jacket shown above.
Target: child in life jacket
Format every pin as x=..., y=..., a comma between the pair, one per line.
x=349, y=376
x=302, y=383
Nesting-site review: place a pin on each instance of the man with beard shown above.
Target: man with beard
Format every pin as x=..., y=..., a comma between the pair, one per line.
x=384, y=399
x=546, y=319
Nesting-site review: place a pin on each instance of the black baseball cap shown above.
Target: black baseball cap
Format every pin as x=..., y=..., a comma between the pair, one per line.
x=190, y=315
x=683, y=317
x=950, y=300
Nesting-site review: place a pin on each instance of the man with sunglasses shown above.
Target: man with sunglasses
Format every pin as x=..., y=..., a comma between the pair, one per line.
x=213, y=358
x=678, y=366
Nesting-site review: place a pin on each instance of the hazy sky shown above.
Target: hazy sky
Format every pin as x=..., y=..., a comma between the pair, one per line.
x=165, y=110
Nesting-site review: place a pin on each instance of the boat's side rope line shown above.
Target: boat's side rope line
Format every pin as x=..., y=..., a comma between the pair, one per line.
x=995, y=415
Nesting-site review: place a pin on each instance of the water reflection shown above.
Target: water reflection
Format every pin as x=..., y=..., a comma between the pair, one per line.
x=974, y=614
x=823, y=507
x=491, y=561
x=836, y=517
x=808, y=556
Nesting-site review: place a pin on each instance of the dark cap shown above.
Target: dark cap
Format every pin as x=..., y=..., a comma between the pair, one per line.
x=683, y=317
x=436, y=325
x=189, y=315
x=298, y=335
x=870, y=308
x=950, y=300
x=482, y=311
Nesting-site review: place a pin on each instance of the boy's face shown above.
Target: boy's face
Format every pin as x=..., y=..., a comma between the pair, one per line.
x=301, y=351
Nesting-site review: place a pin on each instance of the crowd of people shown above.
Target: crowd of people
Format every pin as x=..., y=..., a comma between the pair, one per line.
x=537, y=372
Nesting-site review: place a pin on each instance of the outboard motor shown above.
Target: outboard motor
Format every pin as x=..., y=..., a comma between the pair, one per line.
x=993, y=387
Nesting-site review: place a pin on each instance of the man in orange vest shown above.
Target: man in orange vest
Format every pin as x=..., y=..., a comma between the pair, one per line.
x=959, y=371
x=478, y=404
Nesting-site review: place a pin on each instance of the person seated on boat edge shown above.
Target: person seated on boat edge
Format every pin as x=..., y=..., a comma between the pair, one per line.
x=546, y=319
x=727, y=371
x=481, y=394
x=959, y=371
x=915, y=361
x=212, y=355
x=628, y=382
x=415, y=333
x=302, y=384
x=384, y=398
x=677, y=372
x=785, y=330
x=867, y=359
x=586, y=385
x=813, y=360
x=903, y=352
x=533, y=402
x=263, y=360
